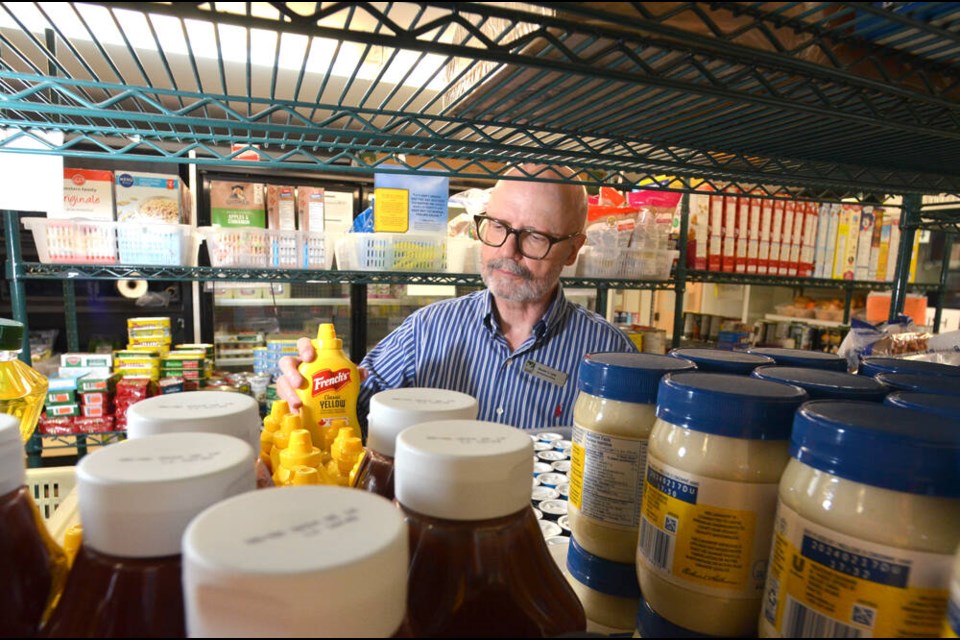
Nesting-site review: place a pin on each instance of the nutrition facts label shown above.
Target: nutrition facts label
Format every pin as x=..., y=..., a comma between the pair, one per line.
x=606, y=477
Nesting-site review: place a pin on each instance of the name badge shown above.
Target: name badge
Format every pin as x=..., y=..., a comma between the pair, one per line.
x=543, y=372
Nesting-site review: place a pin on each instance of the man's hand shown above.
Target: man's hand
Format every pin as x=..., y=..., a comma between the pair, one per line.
x=290, y=379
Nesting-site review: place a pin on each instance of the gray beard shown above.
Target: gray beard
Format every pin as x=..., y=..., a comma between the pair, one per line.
x=529, y=290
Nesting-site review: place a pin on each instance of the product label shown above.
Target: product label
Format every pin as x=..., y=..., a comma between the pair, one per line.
x=606, y=477
x=704, y=534
x=327, y=380
x=951, y=626
x=826, y=584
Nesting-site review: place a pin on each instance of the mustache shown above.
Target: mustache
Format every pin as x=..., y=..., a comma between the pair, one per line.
x=505, y=264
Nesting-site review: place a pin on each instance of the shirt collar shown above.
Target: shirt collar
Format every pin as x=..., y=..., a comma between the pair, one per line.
x=556, y=312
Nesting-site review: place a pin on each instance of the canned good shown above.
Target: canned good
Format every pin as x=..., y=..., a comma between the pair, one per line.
x=561, y=466
x=544, y=493
x=554, y=508
x=551, y=456
x=550, y=529
x=552, y=479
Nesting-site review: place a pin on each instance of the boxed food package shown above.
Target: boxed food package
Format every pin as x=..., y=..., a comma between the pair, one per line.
x=86, y=360
x=310, y=205
x=153, y=198
x=94, y=424
x=87, y=193
x=237, y=204
x=282, y=207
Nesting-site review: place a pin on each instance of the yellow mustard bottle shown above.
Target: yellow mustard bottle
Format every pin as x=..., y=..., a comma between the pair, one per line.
x=331, y=385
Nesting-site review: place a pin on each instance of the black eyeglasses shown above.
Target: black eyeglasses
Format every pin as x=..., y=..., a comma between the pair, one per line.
x=532, y=244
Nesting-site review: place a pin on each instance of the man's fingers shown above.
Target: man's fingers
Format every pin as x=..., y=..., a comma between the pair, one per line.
x=286, y=392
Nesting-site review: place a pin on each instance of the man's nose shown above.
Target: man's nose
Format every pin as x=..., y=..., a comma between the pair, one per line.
x=511, y=246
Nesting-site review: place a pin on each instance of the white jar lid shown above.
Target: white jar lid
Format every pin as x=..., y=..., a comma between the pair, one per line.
x=13, y=473
x=394, y=410
x=226, y=412
x=296, y=562
x=463, y=469
x=136, y=497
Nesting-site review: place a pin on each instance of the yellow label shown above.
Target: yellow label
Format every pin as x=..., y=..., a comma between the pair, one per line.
x=606, y=477
x=704, y=534
x=391, y=210
x=826, y=584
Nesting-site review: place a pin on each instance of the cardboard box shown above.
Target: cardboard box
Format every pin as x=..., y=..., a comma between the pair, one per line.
x=776, y=231
x=310, y=208
x=151, y=198
x=94, y=399
x=796, y=239
x=786, y=237
x=864, y=243
x=766, y=224
x=86, y=360
x=97, y=383
x=878, y=215
x=742, y=237
x=753, y=247
x=63, y=410
x=282, y=207
x=61, y=397
x=728, y=248
x=809, y=247
x=848, y=235
x=833, y=231
x=237, y=204
x=87, y=193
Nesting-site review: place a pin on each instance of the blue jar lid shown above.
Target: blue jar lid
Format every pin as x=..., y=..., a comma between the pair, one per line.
x=946, y=406
x=880, y=445
x=627, y=377
x=942, y=385
x=722, y=361
x=651, y=624
x=878, y=364
x=729, y=405
x=802, y=358
x=612, y=578
x=826, y=385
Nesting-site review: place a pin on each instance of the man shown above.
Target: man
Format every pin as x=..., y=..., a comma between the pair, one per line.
x=516, y=346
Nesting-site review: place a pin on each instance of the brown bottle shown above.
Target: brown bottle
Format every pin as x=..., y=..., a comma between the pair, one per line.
x=479, y=565
x=391, y=412
x=32, y=566
x=136, y=498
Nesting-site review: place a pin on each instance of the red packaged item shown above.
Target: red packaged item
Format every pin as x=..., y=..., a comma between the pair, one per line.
x=51, y=426
x=102, y=424
x=135, y=389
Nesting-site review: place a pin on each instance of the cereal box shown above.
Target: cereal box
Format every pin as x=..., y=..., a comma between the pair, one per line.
x=281, y=207
x=237, y=204
x=151, y=198
x=87, y=193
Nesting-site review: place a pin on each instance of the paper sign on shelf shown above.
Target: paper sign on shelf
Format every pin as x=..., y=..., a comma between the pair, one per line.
x=405, y=202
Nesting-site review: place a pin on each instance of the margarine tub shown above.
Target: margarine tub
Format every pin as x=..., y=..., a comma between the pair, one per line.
x=867, y=524
x=802, y=358
x=608, y=591
x=716, y=454
x=946, y=406
x=873, y=365
x=823, y=384
x=612, y=418
x=722, y=360
x=940, y=385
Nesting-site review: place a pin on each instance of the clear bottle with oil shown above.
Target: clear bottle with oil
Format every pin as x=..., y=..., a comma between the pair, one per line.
x=22, y=388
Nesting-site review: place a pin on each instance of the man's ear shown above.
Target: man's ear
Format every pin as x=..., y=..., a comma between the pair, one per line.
x=575, y=245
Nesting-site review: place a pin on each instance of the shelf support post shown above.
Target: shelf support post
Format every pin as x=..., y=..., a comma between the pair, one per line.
x=70, y=315
x=18, y=294
x=944, y=273
x=909, y=220
x=681, y=282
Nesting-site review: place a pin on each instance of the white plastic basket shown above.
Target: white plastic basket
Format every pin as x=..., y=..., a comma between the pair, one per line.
x=49, y=487
x=316, y=251
x=78, y=241
x=237, y=246
x=73, y=241
x=413, y=252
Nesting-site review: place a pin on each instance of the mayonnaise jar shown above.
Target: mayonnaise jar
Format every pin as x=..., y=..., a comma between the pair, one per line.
x=868, y=520
x=716, y=454
x=613, y=415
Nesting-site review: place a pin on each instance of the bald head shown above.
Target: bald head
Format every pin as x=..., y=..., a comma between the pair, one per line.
x=561, y=206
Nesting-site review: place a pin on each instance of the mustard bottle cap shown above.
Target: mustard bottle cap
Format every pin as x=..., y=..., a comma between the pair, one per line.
x=327, y=337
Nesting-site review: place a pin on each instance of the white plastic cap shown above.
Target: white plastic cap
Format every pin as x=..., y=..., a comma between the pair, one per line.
x=136, y=497
x=463, y=469
x=310, y=561
x=13, y=473
x=394, y=410
x=229, y=413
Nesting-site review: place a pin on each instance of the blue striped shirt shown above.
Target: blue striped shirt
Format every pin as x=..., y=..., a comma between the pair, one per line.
x=456, y=344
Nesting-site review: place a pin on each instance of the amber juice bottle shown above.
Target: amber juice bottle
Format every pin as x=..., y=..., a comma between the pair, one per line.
x=479, y=565
x=32, y=565
x=135, y=499
x=391, y=412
